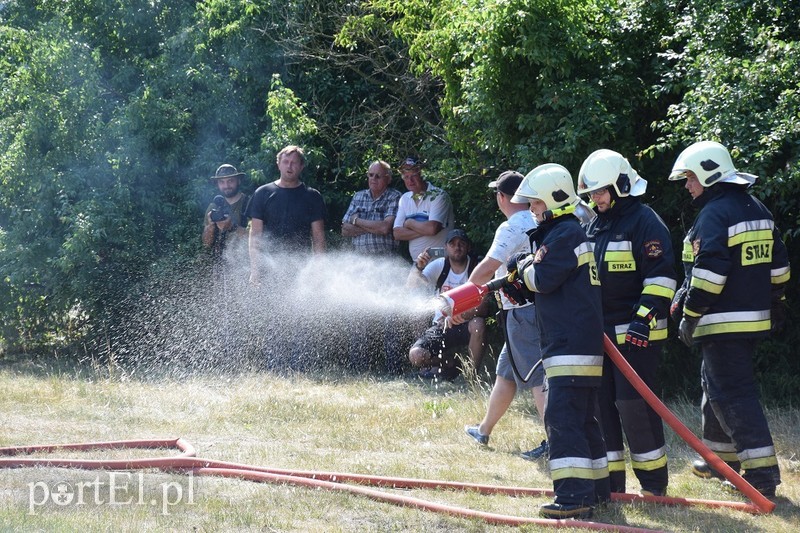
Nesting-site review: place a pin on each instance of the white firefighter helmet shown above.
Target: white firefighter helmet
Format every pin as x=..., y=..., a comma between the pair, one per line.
x=606, y=168
x=550, y=183
x=711, y=163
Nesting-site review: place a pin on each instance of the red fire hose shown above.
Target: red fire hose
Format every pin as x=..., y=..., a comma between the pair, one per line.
x=469, y=295
x=186, y=462
x=762, y=504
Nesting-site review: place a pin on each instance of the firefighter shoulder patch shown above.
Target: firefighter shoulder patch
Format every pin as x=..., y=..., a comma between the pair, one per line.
x=653, y=249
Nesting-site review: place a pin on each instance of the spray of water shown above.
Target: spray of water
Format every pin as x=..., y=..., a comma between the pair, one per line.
x=310, y=312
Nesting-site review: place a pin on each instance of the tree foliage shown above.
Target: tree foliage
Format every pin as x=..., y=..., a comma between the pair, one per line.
x=739, y=87
x=732, y=66
x=114, y=113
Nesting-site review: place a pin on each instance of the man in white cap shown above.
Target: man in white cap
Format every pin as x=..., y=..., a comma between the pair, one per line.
x=562, y=277
x=633, y=252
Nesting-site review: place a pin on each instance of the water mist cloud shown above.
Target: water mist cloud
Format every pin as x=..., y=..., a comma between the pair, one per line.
x=309, y=311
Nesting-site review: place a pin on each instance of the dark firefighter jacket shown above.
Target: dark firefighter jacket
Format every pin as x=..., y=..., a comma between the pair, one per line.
x=568, y=307
x=735, y=263
x=634, y=257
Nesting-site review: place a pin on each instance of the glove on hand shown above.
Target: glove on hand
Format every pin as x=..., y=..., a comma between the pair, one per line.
x=638, y=335
x=777, y=315
x=686, y=330
x=514, y=287
x=512, y=265
x=676, y=309
x=524, y=264
x=516, y=292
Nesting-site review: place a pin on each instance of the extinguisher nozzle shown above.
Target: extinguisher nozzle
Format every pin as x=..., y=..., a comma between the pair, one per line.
x=496, y=284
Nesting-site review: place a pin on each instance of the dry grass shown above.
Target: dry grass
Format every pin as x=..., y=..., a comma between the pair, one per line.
x=366, y=425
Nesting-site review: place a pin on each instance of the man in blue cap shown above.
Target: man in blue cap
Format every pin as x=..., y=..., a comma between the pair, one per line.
x=435, y=349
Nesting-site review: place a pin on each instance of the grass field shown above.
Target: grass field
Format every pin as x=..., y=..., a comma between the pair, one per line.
x=359, y=424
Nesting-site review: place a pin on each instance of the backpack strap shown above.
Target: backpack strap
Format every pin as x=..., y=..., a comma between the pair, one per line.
x=473, y=262
x=443, y=275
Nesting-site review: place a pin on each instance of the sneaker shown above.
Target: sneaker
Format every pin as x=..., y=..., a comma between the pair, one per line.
x=701, y=469
x=479, y=437
x=537, y=453
x=767, y=490
x=558, y=511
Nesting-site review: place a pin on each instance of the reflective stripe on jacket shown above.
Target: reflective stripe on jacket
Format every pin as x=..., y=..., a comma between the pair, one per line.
x=734, y=260
x=568, y=307
x=633, y=250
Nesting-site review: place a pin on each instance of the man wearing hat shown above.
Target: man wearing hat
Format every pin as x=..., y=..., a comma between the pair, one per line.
x=732, y=297
x=436, y=348
x=424, y=213
x=517, y=365
x=224, y=218
x=633, y=251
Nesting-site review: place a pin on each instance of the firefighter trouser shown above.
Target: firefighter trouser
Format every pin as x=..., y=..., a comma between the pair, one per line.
x=578, y=463
x=622, y=407
x=734, y=425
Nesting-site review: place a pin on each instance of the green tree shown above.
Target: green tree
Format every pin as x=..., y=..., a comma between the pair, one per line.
x=530, y=81
x=57, y=187
x=730, y=68
x=113, y=114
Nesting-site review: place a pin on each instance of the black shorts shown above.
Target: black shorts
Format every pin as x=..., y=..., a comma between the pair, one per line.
x=443, y=343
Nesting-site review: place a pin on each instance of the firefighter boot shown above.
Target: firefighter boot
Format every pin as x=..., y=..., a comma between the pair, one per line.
x=702, y=469
x=558, y=511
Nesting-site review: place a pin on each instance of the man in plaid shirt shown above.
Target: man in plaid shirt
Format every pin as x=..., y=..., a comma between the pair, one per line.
x=370, y=217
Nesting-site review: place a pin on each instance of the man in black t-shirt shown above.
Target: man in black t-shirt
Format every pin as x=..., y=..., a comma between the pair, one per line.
x=285, y=214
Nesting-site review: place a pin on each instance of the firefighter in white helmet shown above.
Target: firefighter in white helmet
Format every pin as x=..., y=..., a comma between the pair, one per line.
x=635, y=263
x=562, y=277
x=736, y=269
